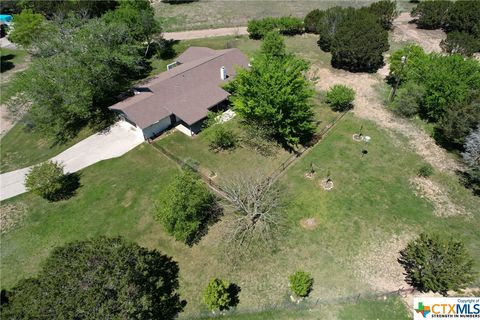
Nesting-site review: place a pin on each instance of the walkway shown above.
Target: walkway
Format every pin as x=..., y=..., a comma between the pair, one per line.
x=114, y=142
x=206, y=33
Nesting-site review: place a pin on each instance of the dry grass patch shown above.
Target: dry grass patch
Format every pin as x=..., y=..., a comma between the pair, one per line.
x=377, y=264
x=11, y=216
x=309, y=223
x=434, y=193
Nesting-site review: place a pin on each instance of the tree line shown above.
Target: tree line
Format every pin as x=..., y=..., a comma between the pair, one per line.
x=460, y=19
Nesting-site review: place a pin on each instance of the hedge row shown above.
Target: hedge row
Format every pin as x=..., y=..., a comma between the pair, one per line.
x=257, y=29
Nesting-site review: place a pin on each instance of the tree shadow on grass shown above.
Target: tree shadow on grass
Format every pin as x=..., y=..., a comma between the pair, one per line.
x=216, y=212
x=233, y=292
x=6, y=64
x=70, y=184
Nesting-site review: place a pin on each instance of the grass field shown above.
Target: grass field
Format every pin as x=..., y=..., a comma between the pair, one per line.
x=359, y=225
x=393, y=308
x=371, y=204
x=206, y=14
x=22, y=147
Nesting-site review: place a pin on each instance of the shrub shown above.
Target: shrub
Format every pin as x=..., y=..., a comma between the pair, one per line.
x=301, y=283
x=220, y=137
x=435, y=263
x=431, y=14
x=257, y=29
x=328, y=25
x=359, y=43
x=312, y=19
x=408, y=99
x=220, y=295
x=460, y=42
x=273, y=45
x=48, y=181
x=340, y=97
x=463, y=16
x=100, y=278
x=425, y=171
x=185, y=206
x=386, y=11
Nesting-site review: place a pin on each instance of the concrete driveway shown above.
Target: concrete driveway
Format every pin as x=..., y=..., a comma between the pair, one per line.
x=114, y=142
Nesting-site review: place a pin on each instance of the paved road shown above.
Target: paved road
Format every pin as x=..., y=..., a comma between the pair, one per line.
x=118, y=140
x=206, y=33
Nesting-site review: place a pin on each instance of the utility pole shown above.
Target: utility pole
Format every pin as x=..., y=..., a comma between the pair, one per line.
x=392, y=96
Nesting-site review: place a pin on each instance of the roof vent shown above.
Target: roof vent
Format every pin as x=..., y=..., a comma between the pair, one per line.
x=223, y=73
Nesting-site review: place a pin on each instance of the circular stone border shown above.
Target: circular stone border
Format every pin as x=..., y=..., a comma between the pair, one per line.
x=309, y=175
x=356, y=137
x=326, y=185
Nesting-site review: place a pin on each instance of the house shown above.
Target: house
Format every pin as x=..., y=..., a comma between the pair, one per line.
x=182, y=95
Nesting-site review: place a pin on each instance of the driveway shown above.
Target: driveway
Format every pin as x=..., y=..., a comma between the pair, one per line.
x=114, y=142
x=205, y=33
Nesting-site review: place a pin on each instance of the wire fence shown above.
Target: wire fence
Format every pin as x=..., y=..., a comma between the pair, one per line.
x=274, y=175
x=308, y=304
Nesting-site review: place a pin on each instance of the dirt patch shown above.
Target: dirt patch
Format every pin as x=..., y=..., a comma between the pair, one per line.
x=378, y=264
x=309, y=223
x=444, y=207
x=6, y=122
x=403, y=31
x=127, y=200
x=11, y=216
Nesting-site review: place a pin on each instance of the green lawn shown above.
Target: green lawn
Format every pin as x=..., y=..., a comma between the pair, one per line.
x=22, y=147
x=392, y=308
x=371, y=203
x=11, y=59
x=226, y=13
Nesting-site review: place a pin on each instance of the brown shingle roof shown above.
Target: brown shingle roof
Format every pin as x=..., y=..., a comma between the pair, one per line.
x=187, y=91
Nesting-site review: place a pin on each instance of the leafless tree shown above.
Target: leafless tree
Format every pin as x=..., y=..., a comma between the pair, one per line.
x=257, y=200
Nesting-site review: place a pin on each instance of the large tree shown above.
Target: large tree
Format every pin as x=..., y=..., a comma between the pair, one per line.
x=258, y=201
x=101, y=278
x=436, y=263
x=275, y=93
x=185, y=207
x=359, y=43
x=77, y=73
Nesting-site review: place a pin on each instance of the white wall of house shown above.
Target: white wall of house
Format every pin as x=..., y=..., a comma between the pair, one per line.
x=156, y=128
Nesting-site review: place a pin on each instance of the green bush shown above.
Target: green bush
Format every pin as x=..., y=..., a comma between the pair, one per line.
x=220, y=137
x=100, y=278
x=460, y=42
x=301, y=283
x=431, y=14
x=340, y=97
x=386, y=11
x=48, y=181
x=327, y=26
x=464, y=16
x=425, y=171
x=435, y=263
x=220, y=295
x=185, y=206
x=408, y=99
x=312, y=19
x=359, y=43
x=257, y=29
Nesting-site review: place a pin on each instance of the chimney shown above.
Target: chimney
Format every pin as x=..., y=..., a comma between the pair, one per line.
x=223, y=73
